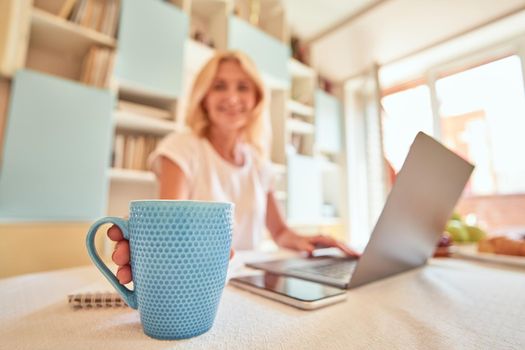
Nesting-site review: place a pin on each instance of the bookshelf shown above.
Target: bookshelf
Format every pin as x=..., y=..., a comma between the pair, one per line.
x=307, y=142
x=157, y=48
x=74, y=39
x=85, y=50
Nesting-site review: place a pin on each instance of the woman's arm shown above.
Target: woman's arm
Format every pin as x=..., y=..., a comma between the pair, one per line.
x=287, y=238
x=172, y=181
x=281, y=233
x=276, y=224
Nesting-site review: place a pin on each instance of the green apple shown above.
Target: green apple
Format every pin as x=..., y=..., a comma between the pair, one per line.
x=457, y=231
x=456, y=216
x=475, y=233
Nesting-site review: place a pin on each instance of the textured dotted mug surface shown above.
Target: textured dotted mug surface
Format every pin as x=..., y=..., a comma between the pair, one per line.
x=179, y=260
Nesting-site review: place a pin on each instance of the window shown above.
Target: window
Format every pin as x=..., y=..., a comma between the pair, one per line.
x=477, y=110
x=482, y=117
x=405, y=113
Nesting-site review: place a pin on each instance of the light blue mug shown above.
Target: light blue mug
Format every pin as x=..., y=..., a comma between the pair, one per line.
x=179, y=259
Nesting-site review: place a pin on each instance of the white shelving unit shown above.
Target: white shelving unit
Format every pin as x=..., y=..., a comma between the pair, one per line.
x=134, y=176
x=300, y=127
x=58, y=46
x=130, y=121
x=296, y=149
x=300, y=109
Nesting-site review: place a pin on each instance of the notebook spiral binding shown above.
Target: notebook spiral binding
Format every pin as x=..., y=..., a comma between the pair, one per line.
x=95, y=300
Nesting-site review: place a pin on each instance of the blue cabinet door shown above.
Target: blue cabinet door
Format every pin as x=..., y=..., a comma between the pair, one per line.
x=305, y=197
x=57, y=150
x=150, y=51
x=269, y=54
x=328, y=122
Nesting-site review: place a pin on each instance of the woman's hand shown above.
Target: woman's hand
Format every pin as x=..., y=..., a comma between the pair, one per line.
x=121, y=254
x=308, y=244
x=294, y=241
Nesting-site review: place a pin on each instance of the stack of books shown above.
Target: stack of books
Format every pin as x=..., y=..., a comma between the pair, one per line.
x=131, y=151
x=97, y=68
x=99, y=15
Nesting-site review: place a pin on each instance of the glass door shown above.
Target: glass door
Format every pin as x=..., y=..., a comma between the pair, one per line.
x=482, y=117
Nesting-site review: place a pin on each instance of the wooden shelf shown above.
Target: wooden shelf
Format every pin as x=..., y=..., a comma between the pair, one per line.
x=149, y=96
x=196, y=55
x=299, y=127
x=298, y=69
x=53, y=32
x=128, y=175
x=300, y=108
x=131, y=121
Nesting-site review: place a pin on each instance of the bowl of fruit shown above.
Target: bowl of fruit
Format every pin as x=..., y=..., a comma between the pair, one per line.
x=458, y=232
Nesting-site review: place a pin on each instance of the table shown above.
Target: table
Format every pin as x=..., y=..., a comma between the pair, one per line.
x=448, y=304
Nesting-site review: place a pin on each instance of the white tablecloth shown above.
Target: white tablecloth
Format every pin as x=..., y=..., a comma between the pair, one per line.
x=449, y=304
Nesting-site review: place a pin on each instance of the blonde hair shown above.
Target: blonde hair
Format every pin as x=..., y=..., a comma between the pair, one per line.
x=197, y=118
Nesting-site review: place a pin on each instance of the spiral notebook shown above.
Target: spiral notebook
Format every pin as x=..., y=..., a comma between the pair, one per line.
x=95, y=300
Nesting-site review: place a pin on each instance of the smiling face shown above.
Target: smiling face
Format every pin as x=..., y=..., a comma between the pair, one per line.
x=231, y=98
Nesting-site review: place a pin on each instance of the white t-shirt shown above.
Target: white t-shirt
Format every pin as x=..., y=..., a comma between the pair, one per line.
x=210, y=177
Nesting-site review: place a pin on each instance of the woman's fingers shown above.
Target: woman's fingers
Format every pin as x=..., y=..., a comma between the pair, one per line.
x=232, y=253
x=305, y=245
x=121, y=254
x=124, y=274
x=327, y=241
x=115, y=234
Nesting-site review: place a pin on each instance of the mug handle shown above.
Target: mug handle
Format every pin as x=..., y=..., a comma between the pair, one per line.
x=127, y=294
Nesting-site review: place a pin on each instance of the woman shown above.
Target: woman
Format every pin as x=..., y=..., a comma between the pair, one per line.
x=222, y=159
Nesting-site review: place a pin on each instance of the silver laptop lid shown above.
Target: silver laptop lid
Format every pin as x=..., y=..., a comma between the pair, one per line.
x=415, y=213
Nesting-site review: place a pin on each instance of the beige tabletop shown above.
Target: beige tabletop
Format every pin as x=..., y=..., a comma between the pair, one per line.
x=448, y=304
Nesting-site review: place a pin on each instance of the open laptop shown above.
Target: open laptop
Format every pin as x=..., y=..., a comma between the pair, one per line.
x=415, y=213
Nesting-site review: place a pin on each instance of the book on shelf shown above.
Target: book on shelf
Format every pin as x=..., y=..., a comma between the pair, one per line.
x=110, y=18
x=85, y=17
x=144, y=110
x=97, y=66
x=131, y=151
x=139, y=153
x=118, y=151
x=66, y=8
x=99, y=15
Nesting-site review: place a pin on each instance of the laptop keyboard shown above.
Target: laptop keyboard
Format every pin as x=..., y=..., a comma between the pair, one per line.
x=338, y=270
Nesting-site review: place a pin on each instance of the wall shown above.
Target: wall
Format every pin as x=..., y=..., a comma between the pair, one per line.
x=33, y=247
x=497, y=212
x=398, y=28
